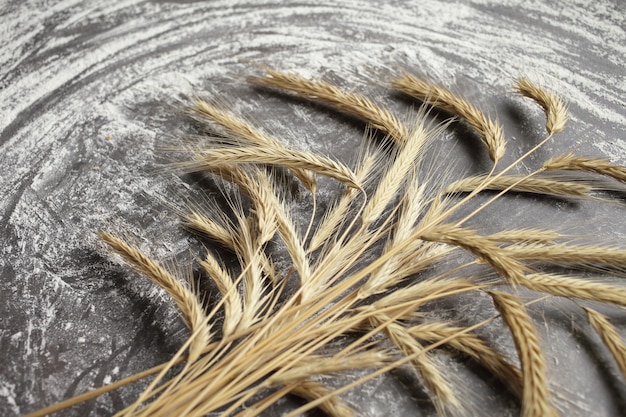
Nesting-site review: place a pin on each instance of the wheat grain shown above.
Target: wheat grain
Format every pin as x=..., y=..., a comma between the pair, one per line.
x=536, y=394
x=610, y=337
x=490, y=131
x=552, y=105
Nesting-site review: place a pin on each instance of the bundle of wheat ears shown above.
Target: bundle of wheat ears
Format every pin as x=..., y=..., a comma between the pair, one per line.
x=350, y=289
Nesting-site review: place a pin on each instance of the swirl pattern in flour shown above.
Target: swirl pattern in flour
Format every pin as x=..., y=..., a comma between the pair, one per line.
x=87, y=95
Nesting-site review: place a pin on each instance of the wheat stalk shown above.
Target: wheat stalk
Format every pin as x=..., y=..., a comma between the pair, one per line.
x=311, y=390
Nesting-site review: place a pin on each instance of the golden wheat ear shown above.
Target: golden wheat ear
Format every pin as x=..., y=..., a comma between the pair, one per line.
x=350, y=103
x=610, y=337
x=536, y=394
x=190, y=308
x=571, y=162
x=552, y=105
x=489, y=130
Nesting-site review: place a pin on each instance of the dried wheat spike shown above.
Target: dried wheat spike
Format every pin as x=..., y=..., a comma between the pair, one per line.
x=354, y=104
x=546, y=186
x=552, y=105
x=482, y=247
x=570, y=255
x=571, y=162
x=610, y=337
x=228, y=290
x=223, y=158
x=441, y=394
x=190, y=308
x=536, y=395
x=576, y=288
x=490, y=131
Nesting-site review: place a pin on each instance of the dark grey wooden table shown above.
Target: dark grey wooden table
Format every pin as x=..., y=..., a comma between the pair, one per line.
x=87, y=96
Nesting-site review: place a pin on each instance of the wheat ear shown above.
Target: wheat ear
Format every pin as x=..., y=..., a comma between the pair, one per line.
x=337, y=214
x=536, y=394
x=481, y=247
x=563, y=254
x=228, y=290
x=244, y=130
x=571, y=162
x=609, y=336
x=201, y=223
x=442, y=395
x=354, y=104
x=554, y=108
x=222, y=158
x=398, y=172
x=516, y=183
x=490, y=131
x=249, y=253
x=191, y=310
x=576, y=288
x=526, y=235
x=474, y=347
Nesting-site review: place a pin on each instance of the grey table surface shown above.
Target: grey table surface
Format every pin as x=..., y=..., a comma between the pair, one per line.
x=86, y=99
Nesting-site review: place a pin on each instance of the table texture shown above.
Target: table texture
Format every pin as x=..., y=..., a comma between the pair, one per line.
x=90, y=96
